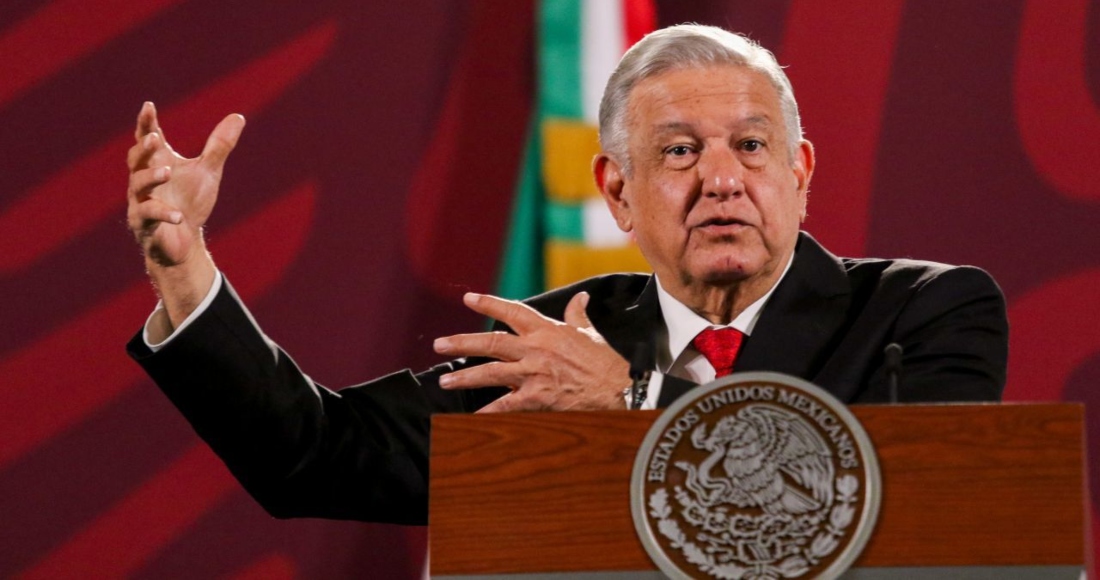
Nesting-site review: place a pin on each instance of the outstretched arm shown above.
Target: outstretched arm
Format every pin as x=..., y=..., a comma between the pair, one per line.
x=170, y=197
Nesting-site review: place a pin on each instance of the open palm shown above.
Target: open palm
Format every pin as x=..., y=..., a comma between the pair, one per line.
x=170, y=196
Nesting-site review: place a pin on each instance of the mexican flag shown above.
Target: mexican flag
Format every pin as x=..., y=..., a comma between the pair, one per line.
x=561, y=231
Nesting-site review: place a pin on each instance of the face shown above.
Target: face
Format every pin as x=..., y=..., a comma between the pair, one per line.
x=715, y=197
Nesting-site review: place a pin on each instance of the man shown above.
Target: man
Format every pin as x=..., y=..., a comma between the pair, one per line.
x=704, y=162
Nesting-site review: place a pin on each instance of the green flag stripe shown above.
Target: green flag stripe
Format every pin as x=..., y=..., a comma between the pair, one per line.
x=521, y=269
x=560, y=59
x=564, y=221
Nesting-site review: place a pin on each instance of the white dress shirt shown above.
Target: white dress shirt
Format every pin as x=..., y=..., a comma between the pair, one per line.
x=160, y=315
x=675, y=354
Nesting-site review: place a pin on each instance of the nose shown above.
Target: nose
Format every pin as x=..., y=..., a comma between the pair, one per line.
x=720, y=173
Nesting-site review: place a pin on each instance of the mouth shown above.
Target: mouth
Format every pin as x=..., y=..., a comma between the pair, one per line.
x=720, y=225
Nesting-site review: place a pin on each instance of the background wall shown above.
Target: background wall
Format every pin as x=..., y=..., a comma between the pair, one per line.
x=964, y=132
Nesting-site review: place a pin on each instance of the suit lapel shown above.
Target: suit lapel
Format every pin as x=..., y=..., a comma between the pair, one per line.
x=792, y=336
x=671, y=389
x=642, y=322
x=638, y=323
x=797, y=324
x=802, y=317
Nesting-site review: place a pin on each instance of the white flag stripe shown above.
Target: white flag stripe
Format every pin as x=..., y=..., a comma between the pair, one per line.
x=600, y=229
x=602, y=41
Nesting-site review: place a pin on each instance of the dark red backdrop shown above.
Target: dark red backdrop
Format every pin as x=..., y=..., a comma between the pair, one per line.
x=964, y=132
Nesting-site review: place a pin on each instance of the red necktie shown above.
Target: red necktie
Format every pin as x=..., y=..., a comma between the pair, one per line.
x=719, y=346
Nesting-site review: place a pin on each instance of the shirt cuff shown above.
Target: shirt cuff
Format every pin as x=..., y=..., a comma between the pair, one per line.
x=160, y=316
x=656, y=379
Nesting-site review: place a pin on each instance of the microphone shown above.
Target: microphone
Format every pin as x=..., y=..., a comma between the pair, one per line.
x=641, y=367
x=892, y=353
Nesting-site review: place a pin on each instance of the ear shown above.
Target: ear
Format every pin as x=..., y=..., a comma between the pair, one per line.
x=612, y=185
x=803, y=167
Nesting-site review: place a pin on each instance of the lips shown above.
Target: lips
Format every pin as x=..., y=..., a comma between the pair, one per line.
x=728, y=228
x=722, y=222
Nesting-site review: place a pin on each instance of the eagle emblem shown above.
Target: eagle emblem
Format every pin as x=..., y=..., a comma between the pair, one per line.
x=756, y=476
x=770, y=458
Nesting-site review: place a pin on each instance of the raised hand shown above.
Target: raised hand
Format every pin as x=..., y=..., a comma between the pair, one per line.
x=170, y=196
x=549, y=365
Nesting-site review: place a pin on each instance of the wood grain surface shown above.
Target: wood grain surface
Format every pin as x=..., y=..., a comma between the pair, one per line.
x=962, y=485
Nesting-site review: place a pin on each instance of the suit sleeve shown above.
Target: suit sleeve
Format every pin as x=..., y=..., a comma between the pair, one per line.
x=954, y=332
x=300, y=449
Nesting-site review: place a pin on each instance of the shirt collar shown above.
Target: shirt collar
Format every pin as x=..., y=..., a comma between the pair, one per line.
x=683, y=324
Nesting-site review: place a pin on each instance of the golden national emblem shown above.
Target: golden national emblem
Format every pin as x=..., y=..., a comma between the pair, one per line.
x=755, y=476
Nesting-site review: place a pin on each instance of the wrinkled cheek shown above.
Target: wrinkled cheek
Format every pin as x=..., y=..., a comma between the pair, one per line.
x=666, y=253
x=648, y=244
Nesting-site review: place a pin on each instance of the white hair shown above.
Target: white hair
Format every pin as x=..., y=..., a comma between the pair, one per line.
x=681, y=47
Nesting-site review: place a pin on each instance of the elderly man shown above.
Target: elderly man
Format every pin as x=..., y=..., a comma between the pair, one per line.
x=704, y=161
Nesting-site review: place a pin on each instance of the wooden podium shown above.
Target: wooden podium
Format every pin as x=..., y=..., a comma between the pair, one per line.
x=968, y=490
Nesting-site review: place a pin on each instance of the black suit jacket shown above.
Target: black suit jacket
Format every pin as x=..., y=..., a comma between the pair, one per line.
x=362, y=452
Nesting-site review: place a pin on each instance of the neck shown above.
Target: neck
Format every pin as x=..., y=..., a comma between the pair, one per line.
x=721, y=304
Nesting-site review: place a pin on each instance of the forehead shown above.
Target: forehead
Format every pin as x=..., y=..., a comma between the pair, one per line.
x=696, y=97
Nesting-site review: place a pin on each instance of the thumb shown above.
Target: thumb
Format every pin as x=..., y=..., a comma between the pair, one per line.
x=575, y=313
x=221, y=141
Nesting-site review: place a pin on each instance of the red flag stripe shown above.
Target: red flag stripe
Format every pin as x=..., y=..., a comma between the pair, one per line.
x=639, y=19
x=78, y=197
x=50, y=397
x=63, y=31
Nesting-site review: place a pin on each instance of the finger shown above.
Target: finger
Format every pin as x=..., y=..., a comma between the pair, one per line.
x=139, y=155
x=147, y=121
x=151, y=211
x=143, y=181
x=499, y=345
x=519, y=316
x=576, y=314
x=494, y=374
x=221, y=141
x=142, y=127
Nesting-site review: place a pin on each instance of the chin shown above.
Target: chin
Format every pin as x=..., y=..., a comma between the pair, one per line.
x=724, y=278
x=728, y=274
x=728, y=269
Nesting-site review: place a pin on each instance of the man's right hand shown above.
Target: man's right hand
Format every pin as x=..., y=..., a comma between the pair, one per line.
x=170, y=198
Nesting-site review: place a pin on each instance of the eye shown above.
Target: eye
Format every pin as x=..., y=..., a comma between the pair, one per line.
x=681, y=156
x=678, y=150
x=752, y=145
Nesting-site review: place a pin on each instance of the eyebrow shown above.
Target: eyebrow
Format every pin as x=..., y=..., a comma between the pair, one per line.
x=674, y=127
x=761, y=121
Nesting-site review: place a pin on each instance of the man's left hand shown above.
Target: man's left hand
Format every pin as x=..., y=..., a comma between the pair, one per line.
x=549, y=365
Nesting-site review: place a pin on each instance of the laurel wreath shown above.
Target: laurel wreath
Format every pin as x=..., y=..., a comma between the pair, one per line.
x=659, y=509
x=823, y=544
